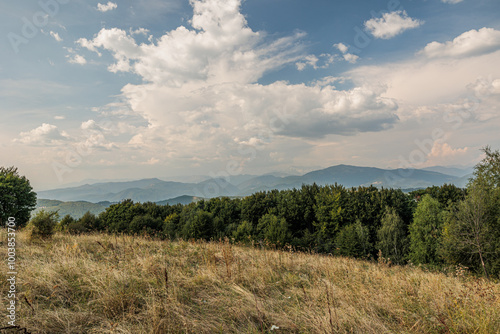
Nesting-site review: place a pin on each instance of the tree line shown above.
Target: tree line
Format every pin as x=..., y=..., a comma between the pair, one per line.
x=438, y=226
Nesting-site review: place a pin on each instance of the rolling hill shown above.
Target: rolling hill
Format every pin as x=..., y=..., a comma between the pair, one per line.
x=156, y=190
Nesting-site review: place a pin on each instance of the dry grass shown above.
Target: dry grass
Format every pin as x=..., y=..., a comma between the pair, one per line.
x=108, y=284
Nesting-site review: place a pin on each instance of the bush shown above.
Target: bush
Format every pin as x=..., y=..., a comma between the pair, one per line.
x=64, y=223
x=42, y=226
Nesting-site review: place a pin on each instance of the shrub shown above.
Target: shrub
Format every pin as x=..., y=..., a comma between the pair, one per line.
x=42, y=226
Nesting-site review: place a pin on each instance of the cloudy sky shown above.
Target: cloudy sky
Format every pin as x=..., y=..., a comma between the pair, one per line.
x=161, y=88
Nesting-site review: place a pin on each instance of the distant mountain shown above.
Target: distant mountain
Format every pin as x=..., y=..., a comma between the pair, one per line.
x=185, y=199
x=74, y=209
x=353, y=176
x=155, y=190
x=454, y=171
x=152, y=190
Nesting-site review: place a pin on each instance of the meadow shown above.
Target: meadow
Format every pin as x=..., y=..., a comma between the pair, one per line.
x=101, y=283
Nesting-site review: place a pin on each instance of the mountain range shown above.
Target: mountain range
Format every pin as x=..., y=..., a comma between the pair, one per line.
x=156, y=190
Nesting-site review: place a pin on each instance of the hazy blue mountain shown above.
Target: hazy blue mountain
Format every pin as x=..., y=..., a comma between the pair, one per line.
x=454, y=171
x=185, y=199
x=155, y=190
x=74, y=209
x=353, y=176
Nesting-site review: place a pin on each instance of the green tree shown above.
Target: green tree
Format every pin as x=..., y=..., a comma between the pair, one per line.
x=42, y=226
x=472, y=231
x=392, y=239
x=90, y=222
x=425, y=231
x=63, y=224
x=199, y=226
x=171, y=225
x=329, y=209
x=243, y=232
x=145, y=224
x=17, y=198
x=354, y=240
x=274, y=229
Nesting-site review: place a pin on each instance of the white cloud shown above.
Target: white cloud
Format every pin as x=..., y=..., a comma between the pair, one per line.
x=59, y=117
x=310, y=60
x=442, y=153
x=139, y=31
x=201, y=95
x=422, y=81
x=45, y=135
x=470, y=43
x=349, y=57
x=76, y=59
x=391, y=24
x=56, y=36
x=453, y=2
x=106, y=7
x=342, y=47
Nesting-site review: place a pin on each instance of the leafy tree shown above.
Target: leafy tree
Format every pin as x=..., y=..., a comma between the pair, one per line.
x=329, y=209
x=42, y=226
x=65, y=222
x=90, y=222
x=446, y=194
x=472, y=231
x=244, y=231
x=171, y=224
x=17, y=198
x=117, y=217
x=199, y=226
x=487, y=172
x=274, y=229
x=354, y=240
x=470, y=234
x=145, y=224
x=425, y=231
x=392, y=240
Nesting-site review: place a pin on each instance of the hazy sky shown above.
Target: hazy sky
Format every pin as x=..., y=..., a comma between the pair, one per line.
x=150, y=88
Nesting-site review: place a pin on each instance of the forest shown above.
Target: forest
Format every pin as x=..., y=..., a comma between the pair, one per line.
x=439, y=227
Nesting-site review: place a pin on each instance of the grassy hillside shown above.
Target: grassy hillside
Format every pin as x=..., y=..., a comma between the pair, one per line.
x=109, y=284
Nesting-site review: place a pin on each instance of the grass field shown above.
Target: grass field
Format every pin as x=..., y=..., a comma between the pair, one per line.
x=122, y=284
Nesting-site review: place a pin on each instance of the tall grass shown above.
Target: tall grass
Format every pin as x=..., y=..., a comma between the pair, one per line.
x=122, y=284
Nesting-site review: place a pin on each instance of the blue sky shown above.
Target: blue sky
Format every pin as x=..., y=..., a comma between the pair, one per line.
x=149, y=88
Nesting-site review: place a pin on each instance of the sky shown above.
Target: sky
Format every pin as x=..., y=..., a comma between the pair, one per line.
x=127, y=89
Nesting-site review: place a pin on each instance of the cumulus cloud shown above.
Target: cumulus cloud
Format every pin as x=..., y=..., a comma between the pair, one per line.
x=202, y=99
x=342, y=47
x=106, y=7
x=391, y=24
x=349, y=57
x=56, y=36
x=76, y=59
x=325, y=61
x=443, y=152
x=470, y=43
x=44, y=135
x=453, y=2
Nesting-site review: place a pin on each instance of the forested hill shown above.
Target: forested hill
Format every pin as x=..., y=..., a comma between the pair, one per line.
x=155, y=190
